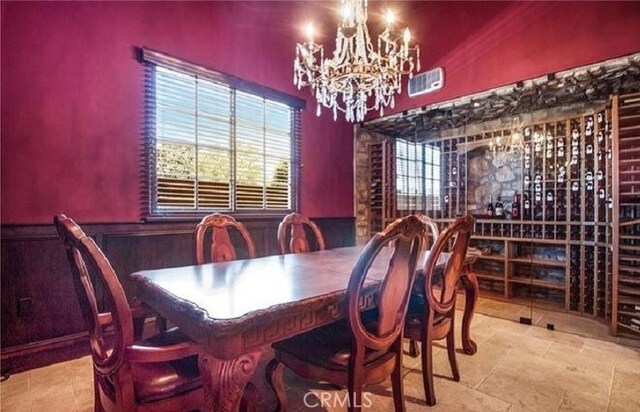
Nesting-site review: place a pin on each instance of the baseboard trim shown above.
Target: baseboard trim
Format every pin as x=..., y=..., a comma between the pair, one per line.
x=38, y=354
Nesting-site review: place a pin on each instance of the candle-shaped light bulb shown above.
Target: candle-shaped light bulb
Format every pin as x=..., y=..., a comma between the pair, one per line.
x=389, y=18
x=309, y=32
x=346, y=12
x=406, y=36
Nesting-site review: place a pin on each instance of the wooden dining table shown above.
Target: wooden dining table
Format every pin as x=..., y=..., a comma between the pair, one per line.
x=234, y=309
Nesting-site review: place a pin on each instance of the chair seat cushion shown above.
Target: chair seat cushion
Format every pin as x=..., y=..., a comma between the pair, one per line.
x=162, y=380
x=327, y=347
x=416, y=314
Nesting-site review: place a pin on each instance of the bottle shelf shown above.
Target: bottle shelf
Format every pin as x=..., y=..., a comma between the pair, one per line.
x=541, y=262
x=491, y=257
x=539, y=283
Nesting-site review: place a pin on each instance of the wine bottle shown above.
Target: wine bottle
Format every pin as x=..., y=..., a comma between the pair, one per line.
x=575, y=137
x=589, y=148
x=515, y=206
x=499, y=209
x=526, y=206
x=490, y=207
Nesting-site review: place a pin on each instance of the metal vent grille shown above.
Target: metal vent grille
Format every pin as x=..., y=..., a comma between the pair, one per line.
x=426, y=82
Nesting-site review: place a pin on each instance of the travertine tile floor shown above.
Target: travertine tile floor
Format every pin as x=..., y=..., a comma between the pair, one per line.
x=517, y=368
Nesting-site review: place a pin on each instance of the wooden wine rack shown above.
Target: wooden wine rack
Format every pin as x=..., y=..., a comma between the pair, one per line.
x=582, y=259
x=626, y=224
x=382, y=184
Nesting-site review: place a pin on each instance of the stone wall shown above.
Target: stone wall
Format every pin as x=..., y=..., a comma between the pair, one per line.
x=489, y=175
x=361, y=182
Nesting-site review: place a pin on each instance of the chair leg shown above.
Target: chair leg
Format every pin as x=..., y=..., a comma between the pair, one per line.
x=161, y=323
x=451, y=351
x=354, y=386
x=414, y=349
x=249, y=401
x=355, y=398
x=138, y=328
x=97, y=404
x=427, y=372
x=396, y=381
x=274, y=372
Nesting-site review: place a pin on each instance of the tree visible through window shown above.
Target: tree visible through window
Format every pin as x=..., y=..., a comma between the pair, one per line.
x=213, y=147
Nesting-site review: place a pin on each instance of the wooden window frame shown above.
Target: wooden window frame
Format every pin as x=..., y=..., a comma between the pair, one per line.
x=150, y=209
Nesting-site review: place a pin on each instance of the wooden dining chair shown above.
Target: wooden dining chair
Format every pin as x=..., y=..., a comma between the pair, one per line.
x=431, y=237
x=431, y=315
x=157, y=374
x=360, y=350
x=298, y=242
x=222, y=250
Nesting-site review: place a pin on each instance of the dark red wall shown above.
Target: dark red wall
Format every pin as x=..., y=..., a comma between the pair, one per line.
x=482, y=45
x=72, y=90
x=72, y=100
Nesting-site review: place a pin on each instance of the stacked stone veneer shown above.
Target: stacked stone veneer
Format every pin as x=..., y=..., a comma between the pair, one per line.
x=488, y=175
x=362, y=191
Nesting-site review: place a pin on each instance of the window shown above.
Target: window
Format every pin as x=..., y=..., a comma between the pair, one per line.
x=417, y=176
x=212, y=146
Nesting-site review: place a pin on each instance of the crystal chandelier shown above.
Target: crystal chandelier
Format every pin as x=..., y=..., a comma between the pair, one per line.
x=512, y=143
x=357, y=71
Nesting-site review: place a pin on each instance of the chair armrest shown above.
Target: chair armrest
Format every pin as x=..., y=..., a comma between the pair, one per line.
x=144, y=354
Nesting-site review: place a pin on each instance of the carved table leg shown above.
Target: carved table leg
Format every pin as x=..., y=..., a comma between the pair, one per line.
x=470, y=284
x=225, y=380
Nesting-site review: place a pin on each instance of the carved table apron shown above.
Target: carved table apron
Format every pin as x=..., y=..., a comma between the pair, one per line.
x=233, y=309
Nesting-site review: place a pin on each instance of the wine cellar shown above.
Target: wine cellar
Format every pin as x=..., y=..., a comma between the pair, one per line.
x=560, y=229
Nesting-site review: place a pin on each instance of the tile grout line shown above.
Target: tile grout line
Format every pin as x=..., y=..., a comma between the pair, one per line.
x=490, y=372
x=564, y=392
x=613, y=375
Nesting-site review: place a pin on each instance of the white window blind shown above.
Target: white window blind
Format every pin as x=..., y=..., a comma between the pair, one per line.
x=417, y=176
x=213, y=147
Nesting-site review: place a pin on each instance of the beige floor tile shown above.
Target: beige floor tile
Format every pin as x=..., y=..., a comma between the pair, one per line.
x=582, y=402
x=525, y=381
x=16, y=385
x=475, y=369
x=17, y=404
x=577, y=342
x=518, y=343
x=517, y=368
x=570, y=356
x=625, y=391
x=452, y=396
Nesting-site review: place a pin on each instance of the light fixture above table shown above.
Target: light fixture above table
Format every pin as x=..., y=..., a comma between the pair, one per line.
x=358, y=78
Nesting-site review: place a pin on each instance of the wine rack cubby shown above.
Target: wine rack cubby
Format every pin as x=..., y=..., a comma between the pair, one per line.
x=626, y=228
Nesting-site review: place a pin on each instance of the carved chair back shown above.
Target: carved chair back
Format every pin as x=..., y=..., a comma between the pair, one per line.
x=298, y=242
x=407, y=235
x=87, y=259
x=432, y=233
x=461, y=229
x=222, y=249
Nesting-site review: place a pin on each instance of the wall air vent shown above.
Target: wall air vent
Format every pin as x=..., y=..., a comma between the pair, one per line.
x=426, y=82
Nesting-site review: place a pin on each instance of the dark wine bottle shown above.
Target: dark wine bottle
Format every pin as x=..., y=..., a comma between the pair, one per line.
x=526, y=206
x=490, y=207
x=515, y=207
x=499, y=209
